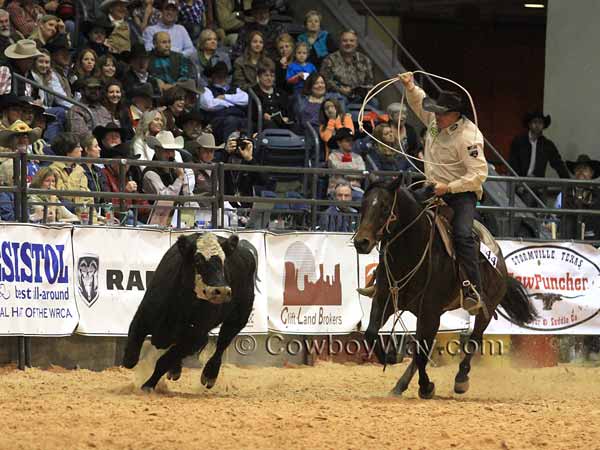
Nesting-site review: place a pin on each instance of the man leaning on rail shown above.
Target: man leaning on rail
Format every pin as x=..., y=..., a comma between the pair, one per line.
x=455, y=164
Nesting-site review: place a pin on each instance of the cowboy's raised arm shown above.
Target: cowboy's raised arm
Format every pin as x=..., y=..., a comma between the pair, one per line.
x=414, y=97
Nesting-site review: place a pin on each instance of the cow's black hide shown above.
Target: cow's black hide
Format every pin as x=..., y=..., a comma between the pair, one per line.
x=175, y=317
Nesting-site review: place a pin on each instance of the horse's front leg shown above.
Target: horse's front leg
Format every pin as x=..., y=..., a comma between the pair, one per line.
x=427, y=327
x=381, y=309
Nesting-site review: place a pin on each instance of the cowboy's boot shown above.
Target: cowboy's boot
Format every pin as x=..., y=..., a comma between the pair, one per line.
x=471, y=299
x=367, y=291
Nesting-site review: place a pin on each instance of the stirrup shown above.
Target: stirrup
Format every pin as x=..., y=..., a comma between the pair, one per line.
x=368, y=291
x=471, y=300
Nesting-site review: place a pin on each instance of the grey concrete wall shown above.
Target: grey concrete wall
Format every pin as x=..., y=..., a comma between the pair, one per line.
x=572, y=91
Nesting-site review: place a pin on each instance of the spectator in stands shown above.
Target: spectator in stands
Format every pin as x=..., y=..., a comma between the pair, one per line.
x=191, y=93
x=159, y=180
x=340, y=218
x=11, y=108
x=300, y=69
x=405, y=136
x=285, y=48
x=240, y=150
x=531, y=151
x=204, y=154
x=345, y=159
x=96, y=180
x=19, y=59
x=46, y=178
x=46, y=28
x=244, y=67
x=97, y=33
x=191, y=16
x=60, y=58
x=106, y=68
x=209, y=52
x=91, y=96
x=385, y=154
x=139, y=62
x=8, y=34
x=226, y=105
x=347, y=71
x=180, y=41
x=24, y=15
x=261, y=21
x=320, y=42
x=29, y=108
x=168, y=65
x=228, y=20
x=309, y=104
x=151, y=124
x=42, y=73
x=85, y=65
x=145, y=15
x=332, y=118
x=110, y=136
x=192, y=125
x=124, y=33
x=275, y=106
x=69, y=175
x=123, y=209
x=114, y=102
x=142, y=100
x=19, y=138
x=174, y=100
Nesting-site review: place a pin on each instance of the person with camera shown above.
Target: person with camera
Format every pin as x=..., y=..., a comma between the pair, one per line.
x=239, y=149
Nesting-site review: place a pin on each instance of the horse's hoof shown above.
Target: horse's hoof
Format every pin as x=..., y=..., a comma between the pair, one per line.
x=460, y=387
x=428, y=393
x=395, y=393
x=207, y=382
x=147, y=389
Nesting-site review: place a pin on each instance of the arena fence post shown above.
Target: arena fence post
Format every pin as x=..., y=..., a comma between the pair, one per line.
x=221, y=191
x=215, y=182
x=24, y=343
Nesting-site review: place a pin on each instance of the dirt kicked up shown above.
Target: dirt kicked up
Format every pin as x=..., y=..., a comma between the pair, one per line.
x=330, y=406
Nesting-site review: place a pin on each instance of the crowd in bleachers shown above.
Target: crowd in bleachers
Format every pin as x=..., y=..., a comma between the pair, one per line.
x=174, y=80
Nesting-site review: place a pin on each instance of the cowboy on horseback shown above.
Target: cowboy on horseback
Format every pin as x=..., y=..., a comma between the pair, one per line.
x=456, y=167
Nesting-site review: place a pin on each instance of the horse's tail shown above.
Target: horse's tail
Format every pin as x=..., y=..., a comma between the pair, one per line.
x=516, y=303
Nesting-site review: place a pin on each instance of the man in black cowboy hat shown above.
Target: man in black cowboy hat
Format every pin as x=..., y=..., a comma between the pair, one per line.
x=109, y=136
x=96, y=33
x=77, y=118
x=142, y=99
x=139, y=62
x=192, y=125
x=260, y=21
x=456, y=165
x=531, y=151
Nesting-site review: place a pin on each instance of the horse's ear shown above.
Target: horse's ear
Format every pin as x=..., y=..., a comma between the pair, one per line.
x=395, y=184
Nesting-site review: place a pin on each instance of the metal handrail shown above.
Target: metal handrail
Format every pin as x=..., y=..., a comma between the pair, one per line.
x=398, y=44
x=252, y=97
x=54, y=93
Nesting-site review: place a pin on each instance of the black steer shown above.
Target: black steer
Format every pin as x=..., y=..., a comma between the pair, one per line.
x=202, y=281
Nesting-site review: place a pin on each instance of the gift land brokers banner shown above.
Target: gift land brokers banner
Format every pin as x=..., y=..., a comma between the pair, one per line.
x=563, y=284
x=36, y=274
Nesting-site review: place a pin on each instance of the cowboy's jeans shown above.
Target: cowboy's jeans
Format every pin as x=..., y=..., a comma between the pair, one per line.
x=463, y=205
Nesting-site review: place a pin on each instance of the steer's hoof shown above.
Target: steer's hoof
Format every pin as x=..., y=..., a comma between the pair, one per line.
x=460, y=387
x=208, y=382
x=428, y=393
x=174, y=375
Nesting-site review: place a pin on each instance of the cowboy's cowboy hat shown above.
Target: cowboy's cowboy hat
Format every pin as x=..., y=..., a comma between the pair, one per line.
x=190, y=85
x=585, y=160
x=101, y=130
x=447, y=101
x=22, y=49
x=122, y=150
x=19, y=127
x=537, y=115
x=106, y=4
x=206, y=141
x=165, y=140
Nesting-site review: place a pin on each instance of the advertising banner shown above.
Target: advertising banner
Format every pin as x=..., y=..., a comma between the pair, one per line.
x=562, y=280
x=312, y=283
x=113, y=267
x=36, y=274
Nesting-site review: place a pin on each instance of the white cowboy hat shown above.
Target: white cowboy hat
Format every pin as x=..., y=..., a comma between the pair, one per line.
x=207, y=141
x=166, y=140
x=22, y=49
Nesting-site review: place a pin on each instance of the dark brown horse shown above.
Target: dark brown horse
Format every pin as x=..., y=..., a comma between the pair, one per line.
x=391, y=214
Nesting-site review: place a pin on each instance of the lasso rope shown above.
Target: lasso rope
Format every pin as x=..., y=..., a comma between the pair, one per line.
x=379, y=87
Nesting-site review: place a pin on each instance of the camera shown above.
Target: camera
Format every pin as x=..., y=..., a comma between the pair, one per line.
x=240, y=144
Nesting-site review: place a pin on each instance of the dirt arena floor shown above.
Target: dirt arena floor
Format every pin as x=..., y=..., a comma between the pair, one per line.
x=330, y=406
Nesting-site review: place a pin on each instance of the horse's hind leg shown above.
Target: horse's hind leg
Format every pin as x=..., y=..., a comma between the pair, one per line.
x=461, y=381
